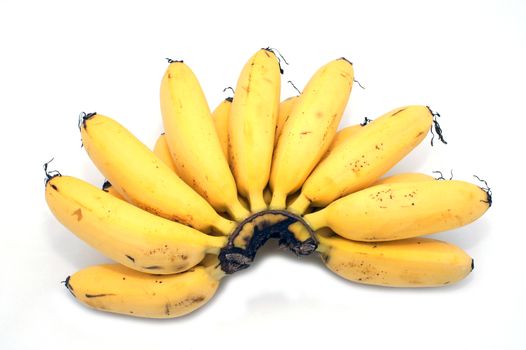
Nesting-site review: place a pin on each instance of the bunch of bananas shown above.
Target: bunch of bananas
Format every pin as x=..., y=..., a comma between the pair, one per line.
x=219, y=184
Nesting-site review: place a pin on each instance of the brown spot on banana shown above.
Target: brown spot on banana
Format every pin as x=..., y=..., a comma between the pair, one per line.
x=78, y=213
x=98, y=295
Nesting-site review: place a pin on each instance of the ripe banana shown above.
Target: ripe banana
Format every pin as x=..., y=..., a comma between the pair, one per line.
x=310, y=128
x=360, y=160
x=162, y=152
x=285, y=107
x=116, y=288
x=412, y=262
x=107, y=187
x=220, y=117
x=400, y=210
x=143, y=179
x=193, y=140
x=252, y=125
x=127, y=234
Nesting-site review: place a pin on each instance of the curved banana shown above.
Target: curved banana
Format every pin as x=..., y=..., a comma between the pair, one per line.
x=310, y=128
x=118, y=289
x=252, y=125
x=220, y=117
x=193, y=140
x=143, y=179
x=360, y=160
x=107, y=187
x=162, y=151
x=400, y=210
x=127, y=234
x=285, y=107
x=412, y=262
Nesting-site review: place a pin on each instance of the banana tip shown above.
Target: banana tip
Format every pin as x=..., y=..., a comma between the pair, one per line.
x=83, y=117
x=346, y=60
x=173, y=61
x=472, y=264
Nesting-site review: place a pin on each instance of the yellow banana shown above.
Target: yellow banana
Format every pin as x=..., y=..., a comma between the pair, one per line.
x=310, y=128
x=116, y=288
x=162, y=152
x=412, y=262
x=252, y=125
x=143, y=179
x=107, y=187
x=220, y=117
x=404, y=177
x=360, y=160
x=127, y=234
x=400, y=210
x=285, y=107
x=193, y=140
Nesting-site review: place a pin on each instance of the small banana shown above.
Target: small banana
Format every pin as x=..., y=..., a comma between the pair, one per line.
x=118, y=289
x=400, y=210
x=252, y=125
x=193, y=140
x=220, y=117
x=143, y=179
x=285, y=107
x=127, y=234
x=412, y=262
x=310, y=128
x=162, y=151
x=360, y=160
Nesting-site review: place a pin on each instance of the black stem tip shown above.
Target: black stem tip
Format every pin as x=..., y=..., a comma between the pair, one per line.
x=486, y=189
x=173, y=61
x=106, y=185
x=294, y=86
x=346, y=60
x=437, y=127
x=83, y=116
x=359, y=84
x=366, y=121
x=50, y=173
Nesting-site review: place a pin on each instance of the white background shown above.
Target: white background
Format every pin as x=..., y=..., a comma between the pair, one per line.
x=464, y=59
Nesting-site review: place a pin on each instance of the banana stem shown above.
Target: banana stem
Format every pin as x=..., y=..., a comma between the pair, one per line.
x=234, y=258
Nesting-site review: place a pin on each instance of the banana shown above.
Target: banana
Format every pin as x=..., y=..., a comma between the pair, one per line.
x=412, y=262
x=252, y=125
x=220, y=117
x=107, y=187
x=310, y=128
x=404, y=177
x=118, y=289
x=193, y=140
x=400, y=210
x=162, y=152
x=127, y=234
x=143, y=179
x=285, y=107
x=360, y=160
